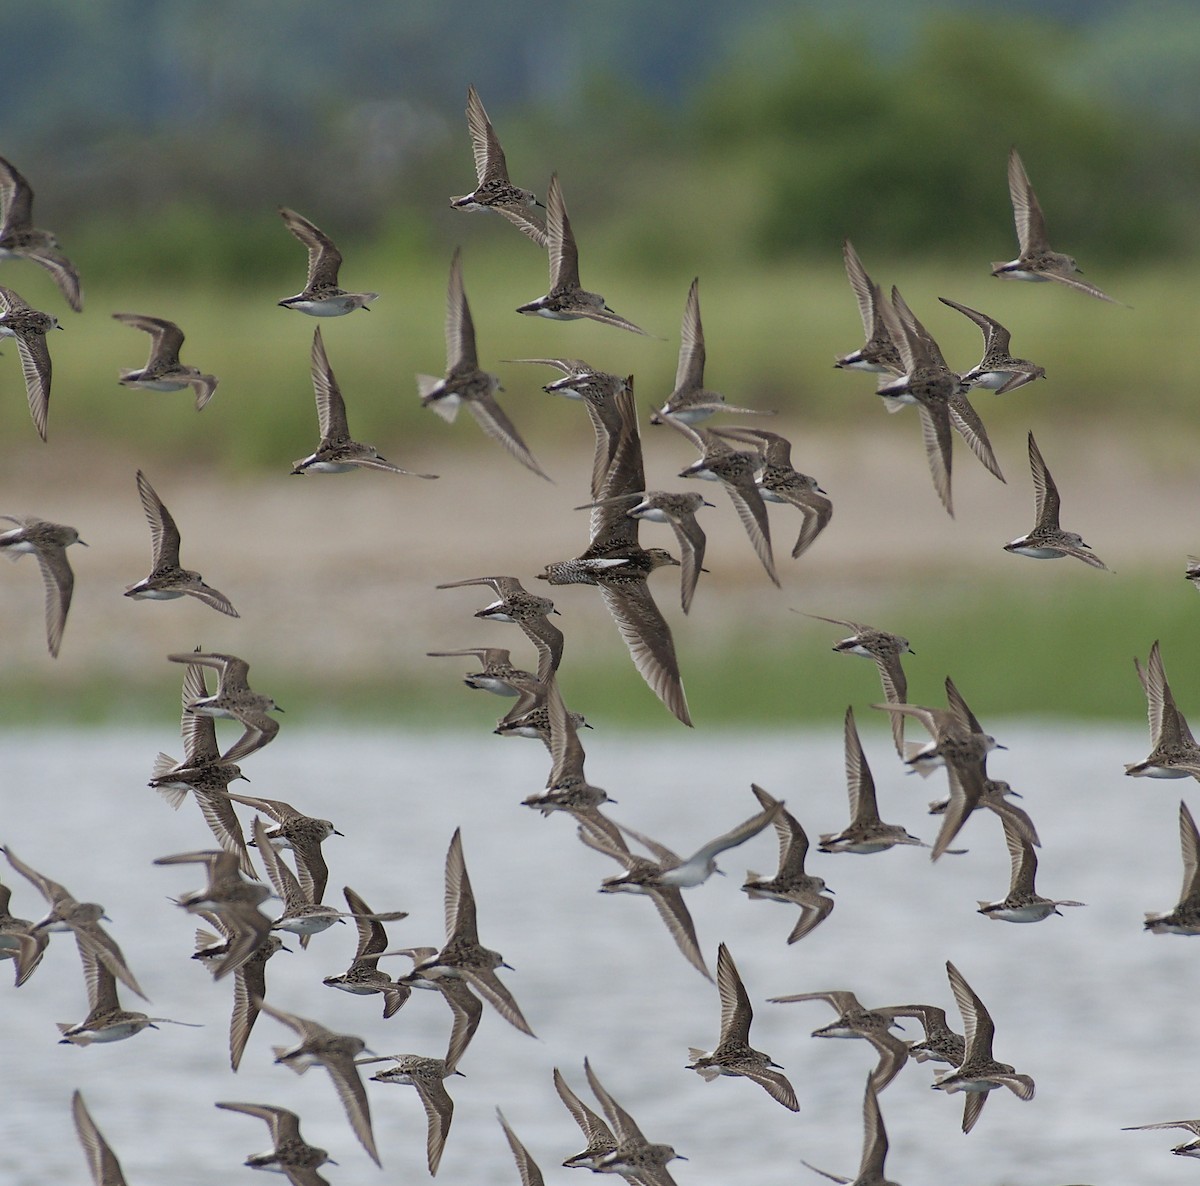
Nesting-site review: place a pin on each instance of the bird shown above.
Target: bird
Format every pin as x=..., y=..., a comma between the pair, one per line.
x=979, y=1072
x=875, y=1147
x=20, y=239
x=102, y=1161
x=619, y=566
x=202, y=771
x=1188, y=1148
x=463, y=955
x=321, y=296
x=337, y=1054
x=163, y=370
x=600, y=1139
x=679, y=510
x=733, y=1054
x=465, y=1007
x=853, y=1021
x=338, y=452
x=465, y=383
x=633, y=1157
x=301, y=915
x=167, y=580
x=691, y=401
x=791, y=884
x=1036, y=260
x=878, y=354
x=498, y=674
x=1047, y=540
x=938, y=393
x=233, y=898
x=290, y=1154
x=866, y=832
x=940, y=1043
x=528, y=1169
x=106, y=1020
x=28, y=327
x=249, y=977
x=363, y=977
x=234, y=699
x=428, y=1076
x=303, y=834
x=493, y=190
x=778, y=481
x=19, y=942
x=83, y=919
x=1023, y=903
x=642, y=877
x=1173, y=750
x=1185, y=918
x=567, y=300
x=997, y=370
x=735, y=469
x=49, y=543
x=514, y=603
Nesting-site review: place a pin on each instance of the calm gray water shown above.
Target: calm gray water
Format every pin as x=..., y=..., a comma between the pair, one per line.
x=1101, y=1014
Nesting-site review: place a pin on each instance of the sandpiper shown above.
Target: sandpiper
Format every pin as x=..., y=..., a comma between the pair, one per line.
x=363, y=977
x=633, y=1157
x=735, y=469
x=337, y=452
x=1047, y=540
x=19, y=942
x=106, y=1020
x=597, y=391
x=995, y=798
x=853, y=1021
x=102, y=1161
x=28, y=327
x=463, y=955
x=337, y=1054
x=514, y=603
x=567, y=300
x=600, y=1139
x=885, y=650
x=790, y=883
x=866, y=832
x=249, y=977
x=20, y=239
x=465, y=1007
x=878, y=354
x=940, y=1043
x=303, y=834
x=875, y=1147
x=167, y=580
x=1185, y=918
x=528, y=1169
x=1036, y=260
x=301, y=915
x=778, y=481
x=997, y=370
x=679, y=510
x=234, y=700
x=493, y=190
x=733, y=1054
x=202, y=772
x=979, y=1072
x=1023, y=903
x=1188, y=1148
x=163, y=370
x=321, y=296
x=642, y=877
x=229, y=895
x=465, y=383
x=619, y=566
x=428, y=1076
x=1173, y=750
x=67, y=913
x=691, y=401
x=498, y=671
x=48, y=542
x=290, y=1153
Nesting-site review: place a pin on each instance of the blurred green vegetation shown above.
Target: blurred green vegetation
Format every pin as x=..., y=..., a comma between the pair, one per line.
x=1050, y=654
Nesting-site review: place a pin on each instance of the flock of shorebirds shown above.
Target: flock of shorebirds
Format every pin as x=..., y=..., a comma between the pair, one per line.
x=754, y=466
